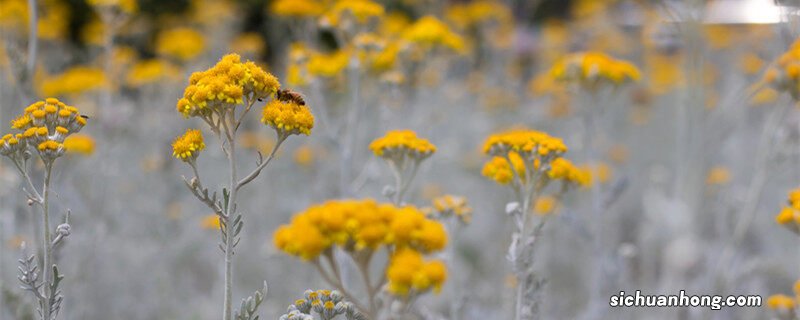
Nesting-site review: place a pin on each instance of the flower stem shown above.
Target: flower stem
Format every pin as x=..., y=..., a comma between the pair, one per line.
x=229, y=241
x=48, y=249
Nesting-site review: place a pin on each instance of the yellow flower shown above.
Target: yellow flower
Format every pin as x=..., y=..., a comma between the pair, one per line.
x=430, y=32
x=751, y=63
x=297, y=8
x=210, y=222
x=361, y=10
x=601, y=171
x=328, y=64
x=75, y=80
x=764, y=96
x=525, y=143
x=498, y=170
x=126, y=6
x=662, y=76
x=188, y=146
x=356, y=225
x=408, y=271
x=718, y=175
x=450, y=205
x=44, y=125
x=563, y=169
x=181, y=43
x=789, y=216
x=288, y=117
x=398, y=144
x=304, y=156
x=545, y=205
x=14, y=14
x=591, y=68
x=780, y=302
x=53, y=24
x=225, y=85
x=249, y=43
x=80, y=144
x=150, y=71
x=784, y=75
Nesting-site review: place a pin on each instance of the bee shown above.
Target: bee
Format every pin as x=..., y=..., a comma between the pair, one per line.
x=287, y=95
x=84, y=116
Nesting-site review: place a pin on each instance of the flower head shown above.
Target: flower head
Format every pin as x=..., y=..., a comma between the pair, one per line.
x=183, y=44
x=450, y=205
x=430, y=32
x=408, y=272
x=288, y=117
x=224, y=86
x=592, y=68
x=75, y=80
x=297, y=8
x=79, y=144
x=188, y=146
x=402, y=144
x=125, y=6
x=211, y=222
x=44, y=125
x=784, y=75
x=524, y=142
x=356, y=225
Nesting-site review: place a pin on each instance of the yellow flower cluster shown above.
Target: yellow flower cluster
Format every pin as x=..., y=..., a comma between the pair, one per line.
x=356, y=225
x=328, y=64
x=784, y=75
x=125, y=6
x=249, y=43
x=784, y=305
x=188, y=146
x=224, y=85
x=431, y=32
x=718, y=175
x=789, y=216
x=44, y=126
x=499, y=170
x=408, y=272
x=326, y=303
x=517, y=151
x=183, y=44
x=361, y=10
x=524, y=142
x=475, y=12
x=592, y=68
x=563, y=169
x=150, y=71
x=210, y=222
x=545, y=205
x=450, y=205
x=297, y=8
x=288, y=117
x=75, y=80
x=79, y=144
x=781, y=302
x=399, y=144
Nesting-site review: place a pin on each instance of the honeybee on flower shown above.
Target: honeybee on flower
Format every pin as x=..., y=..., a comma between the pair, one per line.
x=222, y=96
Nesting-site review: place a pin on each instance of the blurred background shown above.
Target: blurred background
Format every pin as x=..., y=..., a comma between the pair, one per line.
x=691, y=162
